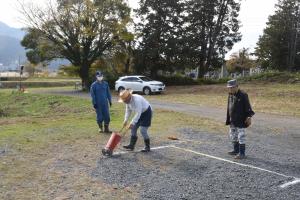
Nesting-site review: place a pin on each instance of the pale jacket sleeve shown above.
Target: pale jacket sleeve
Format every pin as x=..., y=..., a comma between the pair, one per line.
x=139, y=110
x=127, y=113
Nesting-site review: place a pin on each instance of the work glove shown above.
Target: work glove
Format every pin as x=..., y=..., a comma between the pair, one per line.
x=95, y=106
x=131, y=126
x=248, y=121
x=110, y=104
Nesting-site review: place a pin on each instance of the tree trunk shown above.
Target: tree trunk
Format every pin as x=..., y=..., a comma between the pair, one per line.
x=216, y=31
x=203, y=53
x=153, y=73
x=84, y=75
x=202, y=69
x=127, y=65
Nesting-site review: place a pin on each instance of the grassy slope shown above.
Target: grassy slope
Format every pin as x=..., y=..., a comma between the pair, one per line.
x=268, y=98
x=49, y=146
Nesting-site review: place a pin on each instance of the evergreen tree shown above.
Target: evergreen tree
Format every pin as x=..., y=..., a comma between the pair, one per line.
x=212, y=29
x=278, y=47
x=159, y=32
x=188, y=33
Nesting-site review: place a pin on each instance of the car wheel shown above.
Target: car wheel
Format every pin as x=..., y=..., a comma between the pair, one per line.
x=147, y=91
x=120, y=89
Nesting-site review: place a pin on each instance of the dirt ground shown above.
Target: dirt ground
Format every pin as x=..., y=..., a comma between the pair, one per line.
x=194, y=167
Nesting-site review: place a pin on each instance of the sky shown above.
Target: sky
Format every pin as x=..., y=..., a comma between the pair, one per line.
x=253, y=16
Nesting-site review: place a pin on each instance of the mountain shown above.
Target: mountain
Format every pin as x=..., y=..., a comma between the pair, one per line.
x=10, y=48
x=6, y=30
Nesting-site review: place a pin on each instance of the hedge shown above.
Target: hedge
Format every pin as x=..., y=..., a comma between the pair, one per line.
x=28, y=84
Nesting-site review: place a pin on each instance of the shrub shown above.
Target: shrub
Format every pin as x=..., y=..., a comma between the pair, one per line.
x=32, y=84
x=111, y=79
x=176, y=80
x=273, y=76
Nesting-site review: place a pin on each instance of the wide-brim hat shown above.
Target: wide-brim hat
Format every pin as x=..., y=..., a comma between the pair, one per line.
x=232, y=83
x=125, y=95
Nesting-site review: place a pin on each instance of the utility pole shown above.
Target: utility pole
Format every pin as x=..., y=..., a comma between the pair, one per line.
x=21, y=73
x=21, y=67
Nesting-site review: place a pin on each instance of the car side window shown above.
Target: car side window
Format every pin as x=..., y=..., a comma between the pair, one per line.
x=131, y=79
x=126, y=80
x=135, y=79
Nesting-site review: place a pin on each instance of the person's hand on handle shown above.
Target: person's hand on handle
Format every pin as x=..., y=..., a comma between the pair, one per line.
x=248, y=121
x=124, y=124
x=95, y=107
x=131, y=126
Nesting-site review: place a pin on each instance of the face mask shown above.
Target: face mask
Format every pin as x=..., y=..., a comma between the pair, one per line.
x=100, y=78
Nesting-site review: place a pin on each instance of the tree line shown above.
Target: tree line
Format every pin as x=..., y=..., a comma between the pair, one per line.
x=278, y=47
x=161, y=35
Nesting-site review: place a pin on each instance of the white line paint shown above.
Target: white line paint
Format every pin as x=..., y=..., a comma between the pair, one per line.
x=285, y=185
x=154, y=148
x=294, y=182
x=120, y=152
x=162, y=147
x=229, y=161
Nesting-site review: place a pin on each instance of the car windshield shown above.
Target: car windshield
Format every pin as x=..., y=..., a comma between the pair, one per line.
x=144, y=78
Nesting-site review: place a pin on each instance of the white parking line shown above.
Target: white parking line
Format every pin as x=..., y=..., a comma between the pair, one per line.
x=295, y=181
x=154, y=148
x=285, y=185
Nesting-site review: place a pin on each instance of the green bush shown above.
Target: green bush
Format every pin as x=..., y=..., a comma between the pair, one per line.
x=180, y=80
x=176, y=80
x=203, y=81
x=273, y=76
x=35, y=84
x=111, y=79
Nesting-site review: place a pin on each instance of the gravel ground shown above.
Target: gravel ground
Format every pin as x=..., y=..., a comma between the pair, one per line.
x=173, y=174
x=169, y=173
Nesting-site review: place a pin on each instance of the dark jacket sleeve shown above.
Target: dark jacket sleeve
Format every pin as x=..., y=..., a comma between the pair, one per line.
x=108, y=93
x=248, y=109
x=227, y=116
x=93, y=95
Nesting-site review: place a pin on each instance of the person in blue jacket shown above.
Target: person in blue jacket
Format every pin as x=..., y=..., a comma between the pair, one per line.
x=101, y=97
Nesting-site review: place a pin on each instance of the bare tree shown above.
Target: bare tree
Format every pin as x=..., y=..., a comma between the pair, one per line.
x=81, y=30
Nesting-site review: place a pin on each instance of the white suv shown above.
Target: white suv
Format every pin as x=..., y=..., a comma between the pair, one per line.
x=139, y=84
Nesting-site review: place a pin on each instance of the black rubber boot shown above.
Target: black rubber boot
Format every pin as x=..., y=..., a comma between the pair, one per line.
x=106, y=128
x=132, y=143
x=100, y=127
x=147, y=146
x=236, y=149
x=241, y=155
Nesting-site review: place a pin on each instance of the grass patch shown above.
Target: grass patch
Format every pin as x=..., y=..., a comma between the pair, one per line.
x=32, y=105
x=34, y=84
x=273, y=98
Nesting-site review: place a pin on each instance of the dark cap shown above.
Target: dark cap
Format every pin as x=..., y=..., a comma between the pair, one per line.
x=99, y=73
x=232, y=83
